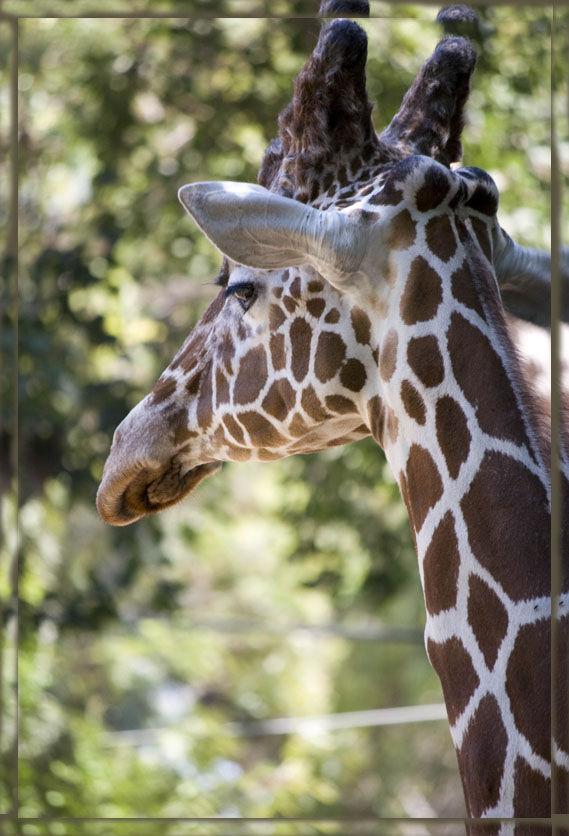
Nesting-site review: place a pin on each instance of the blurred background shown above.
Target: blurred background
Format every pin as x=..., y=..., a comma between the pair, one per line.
x=165, y=668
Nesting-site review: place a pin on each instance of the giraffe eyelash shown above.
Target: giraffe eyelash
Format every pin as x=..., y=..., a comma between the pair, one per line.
x=246, y=293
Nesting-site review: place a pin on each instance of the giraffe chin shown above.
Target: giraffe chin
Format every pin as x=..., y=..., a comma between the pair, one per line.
x=123, y=500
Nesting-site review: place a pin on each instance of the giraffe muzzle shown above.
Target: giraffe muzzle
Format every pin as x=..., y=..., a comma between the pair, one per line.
x=145, y=471
x=123, y=498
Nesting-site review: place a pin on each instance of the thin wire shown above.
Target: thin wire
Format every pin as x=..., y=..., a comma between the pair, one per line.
x=304, y=726
x=376, y=632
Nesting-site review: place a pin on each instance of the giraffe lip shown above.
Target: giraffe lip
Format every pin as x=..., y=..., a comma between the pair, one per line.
x=123, y=499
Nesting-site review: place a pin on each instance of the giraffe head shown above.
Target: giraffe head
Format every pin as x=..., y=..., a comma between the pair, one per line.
x=295, y=352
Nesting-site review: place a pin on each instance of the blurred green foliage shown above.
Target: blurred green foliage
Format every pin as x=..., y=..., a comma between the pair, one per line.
x=139, y=646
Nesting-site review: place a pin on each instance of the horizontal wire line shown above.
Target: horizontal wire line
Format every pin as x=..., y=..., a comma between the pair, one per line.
x=345, y=720
x=297, y=725
x=377, y=632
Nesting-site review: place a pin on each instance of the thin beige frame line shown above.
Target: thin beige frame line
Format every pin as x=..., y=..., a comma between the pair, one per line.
x=556, y=300
x=554, y=269
x=11, y=289
x=395, y=827
x=434, y=827
x=555, y=406
x=5, y=358
x=207, y=13
x=556, y=224
x=281, y=821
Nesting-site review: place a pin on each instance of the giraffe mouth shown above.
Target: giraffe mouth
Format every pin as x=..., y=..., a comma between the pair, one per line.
x=124, y=498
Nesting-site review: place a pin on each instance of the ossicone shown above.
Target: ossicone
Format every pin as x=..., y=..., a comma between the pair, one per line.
x=344, y=8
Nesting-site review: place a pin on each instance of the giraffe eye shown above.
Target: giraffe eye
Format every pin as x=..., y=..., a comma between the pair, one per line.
x=246, y=293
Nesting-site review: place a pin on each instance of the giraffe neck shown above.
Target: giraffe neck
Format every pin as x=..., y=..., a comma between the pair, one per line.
x=457, y=428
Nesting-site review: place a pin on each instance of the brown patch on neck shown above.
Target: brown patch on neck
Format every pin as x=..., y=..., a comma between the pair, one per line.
x=528, y=681
x=486, y=290
x=440, y=567
x=424, y=485
x=481, y=757
x=453, y=434
x=532, y=794
x=458, y=678
x=440, y=236
x=424, y=357
x=481, y=375
x=484, y=609
x=463, y=290
x=422, y=294
x=506, y=513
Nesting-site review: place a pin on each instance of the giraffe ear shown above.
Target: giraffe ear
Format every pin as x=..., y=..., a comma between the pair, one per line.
x=258, y=228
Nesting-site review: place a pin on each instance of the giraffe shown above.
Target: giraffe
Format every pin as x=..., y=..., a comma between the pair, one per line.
x=358, y=296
